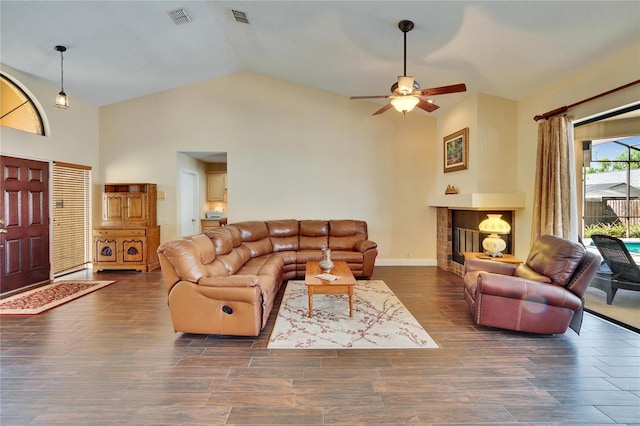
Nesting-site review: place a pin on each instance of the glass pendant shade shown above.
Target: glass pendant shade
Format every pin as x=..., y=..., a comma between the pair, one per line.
x=404, y=103
x=62, y=100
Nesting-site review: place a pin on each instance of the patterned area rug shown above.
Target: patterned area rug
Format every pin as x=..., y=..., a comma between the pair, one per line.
x=380, y=321
x=43, y=298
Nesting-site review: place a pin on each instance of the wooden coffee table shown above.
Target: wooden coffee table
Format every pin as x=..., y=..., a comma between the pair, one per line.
x=343, y=285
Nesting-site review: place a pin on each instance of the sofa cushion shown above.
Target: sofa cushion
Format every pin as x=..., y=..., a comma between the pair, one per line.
x=555, y=258
x=205, y=245
x=264, y=265
x=252, y=230
x=344, y=234
x=283, y=234
x=236, y=237
x=314, y=234
x=260, y=247
x=523, y=271
x=221, y=239
x=216, y=269
x=234, y=260
x=184, y=255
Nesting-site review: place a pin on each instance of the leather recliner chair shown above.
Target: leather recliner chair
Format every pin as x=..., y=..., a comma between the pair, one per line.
x=538, y=296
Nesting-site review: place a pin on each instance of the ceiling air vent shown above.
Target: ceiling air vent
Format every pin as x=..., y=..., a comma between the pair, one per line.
x=240, y=16
x=179, y=16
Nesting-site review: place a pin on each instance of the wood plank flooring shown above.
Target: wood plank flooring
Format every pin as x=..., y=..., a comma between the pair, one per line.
x=111, y=357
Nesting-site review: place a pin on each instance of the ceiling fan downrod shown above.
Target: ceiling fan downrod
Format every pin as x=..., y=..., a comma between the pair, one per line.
x=405, y=26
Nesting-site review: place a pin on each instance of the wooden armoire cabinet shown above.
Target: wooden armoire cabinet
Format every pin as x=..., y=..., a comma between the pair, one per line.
x=129, y=235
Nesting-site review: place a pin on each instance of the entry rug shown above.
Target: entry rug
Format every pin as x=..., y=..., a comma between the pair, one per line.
x=380, y=320
x=43, y=298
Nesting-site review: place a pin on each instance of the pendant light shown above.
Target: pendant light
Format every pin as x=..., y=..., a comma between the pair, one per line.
x=62, y=101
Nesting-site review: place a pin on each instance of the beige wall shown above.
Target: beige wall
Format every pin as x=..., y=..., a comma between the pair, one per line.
x=492, y=145
x=298, y=152
x=292, y=152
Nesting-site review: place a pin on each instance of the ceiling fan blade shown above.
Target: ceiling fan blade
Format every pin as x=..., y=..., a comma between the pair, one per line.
x=383, y=109
x=443, y=90
x=371, y=97
x=427, y=106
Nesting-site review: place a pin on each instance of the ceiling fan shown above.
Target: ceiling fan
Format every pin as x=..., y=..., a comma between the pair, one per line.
x=406, y=93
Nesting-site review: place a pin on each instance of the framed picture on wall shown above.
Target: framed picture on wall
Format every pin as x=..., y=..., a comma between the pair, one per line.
x=456, y=151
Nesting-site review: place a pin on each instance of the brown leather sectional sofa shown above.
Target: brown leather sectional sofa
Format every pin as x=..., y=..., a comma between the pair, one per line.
x=225, y=280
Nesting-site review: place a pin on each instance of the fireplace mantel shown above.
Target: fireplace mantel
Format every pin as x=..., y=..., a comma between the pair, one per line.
x=478, y=201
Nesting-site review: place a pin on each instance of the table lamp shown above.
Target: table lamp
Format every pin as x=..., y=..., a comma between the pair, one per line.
x=493, y=226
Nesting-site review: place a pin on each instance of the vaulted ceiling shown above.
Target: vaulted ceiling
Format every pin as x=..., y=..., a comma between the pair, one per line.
x=119, y=50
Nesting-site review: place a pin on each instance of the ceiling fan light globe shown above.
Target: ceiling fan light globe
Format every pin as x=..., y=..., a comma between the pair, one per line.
x=404, y=103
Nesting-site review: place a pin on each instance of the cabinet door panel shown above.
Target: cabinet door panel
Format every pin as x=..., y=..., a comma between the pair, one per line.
x=136, y=207
x=112, y=207
x=105, y=250
x=132, y=250
x=216, y=186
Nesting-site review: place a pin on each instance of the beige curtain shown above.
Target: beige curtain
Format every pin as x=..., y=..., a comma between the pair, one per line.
x=555, y=200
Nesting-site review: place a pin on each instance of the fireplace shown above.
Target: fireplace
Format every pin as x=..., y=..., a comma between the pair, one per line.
x=469, y=210
x=465, y=235
x=454, y=239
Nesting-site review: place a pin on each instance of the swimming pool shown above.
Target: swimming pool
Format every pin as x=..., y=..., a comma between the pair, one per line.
x=633, y=244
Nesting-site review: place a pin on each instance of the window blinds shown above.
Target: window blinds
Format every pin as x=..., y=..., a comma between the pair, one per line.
x=71, y=217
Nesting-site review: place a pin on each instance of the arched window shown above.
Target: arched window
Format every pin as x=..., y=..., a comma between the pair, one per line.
x=17, y=110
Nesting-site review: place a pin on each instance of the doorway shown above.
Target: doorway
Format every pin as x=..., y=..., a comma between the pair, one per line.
x=24, y=231
x=189, y=195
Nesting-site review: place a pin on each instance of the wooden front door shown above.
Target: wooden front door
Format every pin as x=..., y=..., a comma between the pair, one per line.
x=24, y=209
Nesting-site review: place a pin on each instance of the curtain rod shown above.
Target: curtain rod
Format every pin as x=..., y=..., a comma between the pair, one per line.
x=564, y=109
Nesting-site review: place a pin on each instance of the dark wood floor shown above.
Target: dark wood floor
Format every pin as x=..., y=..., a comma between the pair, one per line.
x=112, y=357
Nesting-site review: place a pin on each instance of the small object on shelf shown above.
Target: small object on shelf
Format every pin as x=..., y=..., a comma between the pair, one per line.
x=451, y=190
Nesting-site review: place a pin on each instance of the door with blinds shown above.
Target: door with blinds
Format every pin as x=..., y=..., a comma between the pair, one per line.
x=71, y=217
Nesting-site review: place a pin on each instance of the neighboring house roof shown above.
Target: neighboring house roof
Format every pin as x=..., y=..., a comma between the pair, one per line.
x=598, y=191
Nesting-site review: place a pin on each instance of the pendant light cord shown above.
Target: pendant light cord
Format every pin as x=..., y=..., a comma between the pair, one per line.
x=61, y=71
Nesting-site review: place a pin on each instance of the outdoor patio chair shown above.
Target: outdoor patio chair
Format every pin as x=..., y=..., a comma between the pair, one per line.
x=619, y=269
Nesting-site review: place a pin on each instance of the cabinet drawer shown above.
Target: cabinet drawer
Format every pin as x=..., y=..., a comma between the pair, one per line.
x=119, y=232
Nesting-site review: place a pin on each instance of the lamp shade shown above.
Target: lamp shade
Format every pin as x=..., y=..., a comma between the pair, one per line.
x=62, y=101
x=493, y=224
x=404, y=103
x=405, y=84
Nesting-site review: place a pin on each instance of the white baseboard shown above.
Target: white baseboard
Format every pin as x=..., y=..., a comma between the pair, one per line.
x=406, y=262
